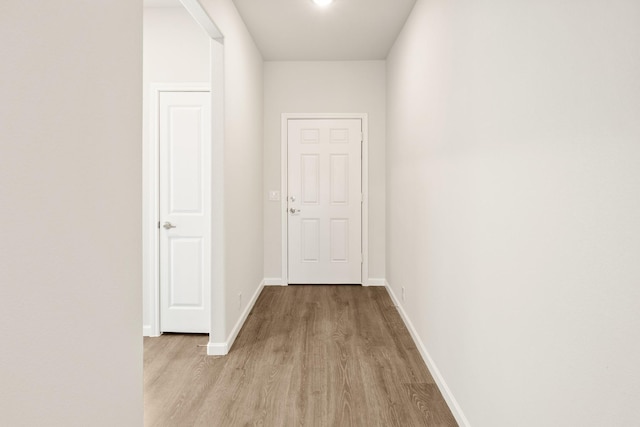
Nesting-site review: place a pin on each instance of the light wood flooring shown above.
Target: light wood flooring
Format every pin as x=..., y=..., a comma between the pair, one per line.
x=306, y=356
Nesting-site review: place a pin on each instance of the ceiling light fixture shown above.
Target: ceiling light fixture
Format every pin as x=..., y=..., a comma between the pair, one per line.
x=323, y=2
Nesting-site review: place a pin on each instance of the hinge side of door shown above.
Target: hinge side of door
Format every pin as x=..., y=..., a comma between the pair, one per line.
x=158, y=224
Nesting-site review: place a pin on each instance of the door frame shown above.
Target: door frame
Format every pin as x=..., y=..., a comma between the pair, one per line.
x=217, y=335
x=284, y=184
x=153, y=200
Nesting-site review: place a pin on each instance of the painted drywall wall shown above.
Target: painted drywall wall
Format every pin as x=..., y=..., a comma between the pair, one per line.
x=175, y=50
x=513, y=192
x=243, y=148
x=324, y=87
x=70, y=173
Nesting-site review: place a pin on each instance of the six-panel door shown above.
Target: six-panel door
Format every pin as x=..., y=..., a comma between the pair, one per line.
x=324, y=200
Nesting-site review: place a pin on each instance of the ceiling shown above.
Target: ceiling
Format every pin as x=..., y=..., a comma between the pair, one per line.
x=298, y=30
x=162, y=3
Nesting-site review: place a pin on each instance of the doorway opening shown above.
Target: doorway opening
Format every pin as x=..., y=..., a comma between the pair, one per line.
x=182, y=181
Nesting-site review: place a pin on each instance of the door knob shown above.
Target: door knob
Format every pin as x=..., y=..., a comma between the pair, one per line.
x=167, y=225
x=294, y=211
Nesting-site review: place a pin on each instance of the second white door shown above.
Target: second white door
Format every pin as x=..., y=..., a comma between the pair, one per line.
x=185, y=213
x=324, y=201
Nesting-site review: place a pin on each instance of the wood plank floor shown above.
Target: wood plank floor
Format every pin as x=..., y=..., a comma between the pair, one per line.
x=306, y=356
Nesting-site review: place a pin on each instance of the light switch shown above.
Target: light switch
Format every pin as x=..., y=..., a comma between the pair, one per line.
x=274, y=195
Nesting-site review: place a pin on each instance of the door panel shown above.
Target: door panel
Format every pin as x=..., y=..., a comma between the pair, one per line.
x=310, y=243
x=310, y=179
x=185, y=140
x=339, y=179
x=324, y=190
x=339, y=239
x=186, y=265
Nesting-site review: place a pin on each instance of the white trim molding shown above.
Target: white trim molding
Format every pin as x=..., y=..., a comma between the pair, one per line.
x=201, y=16
x=277, y=281
x=364, y=118
x=455, y=408
x=218, y=307
x=147, y=331
x=376, y=282
x=223, y=348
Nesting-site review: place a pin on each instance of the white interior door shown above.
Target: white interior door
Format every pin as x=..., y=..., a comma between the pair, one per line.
x=185, y=218
x=325, y=201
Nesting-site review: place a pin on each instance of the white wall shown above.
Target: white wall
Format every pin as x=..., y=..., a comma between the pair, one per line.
x=175, y=50
x=324, y=87
x=513, y=192
x=70, y=171
x=243, y=106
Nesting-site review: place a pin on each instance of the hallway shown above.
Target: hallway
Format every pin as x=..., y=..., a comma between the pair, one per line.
x=503, y=215
x=307, y=355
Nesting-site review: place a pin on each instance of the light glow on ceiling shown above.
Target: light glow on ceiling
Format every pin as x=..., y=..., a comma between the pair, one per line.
x=323, y=2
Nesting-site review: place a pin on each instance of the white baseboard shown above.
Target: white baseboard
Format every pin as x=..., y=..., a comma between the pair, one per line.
x=223, y=348
x=147, y=331
x=217, y=349
x=274, y=281
x=455, y=408
x=375, y=282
